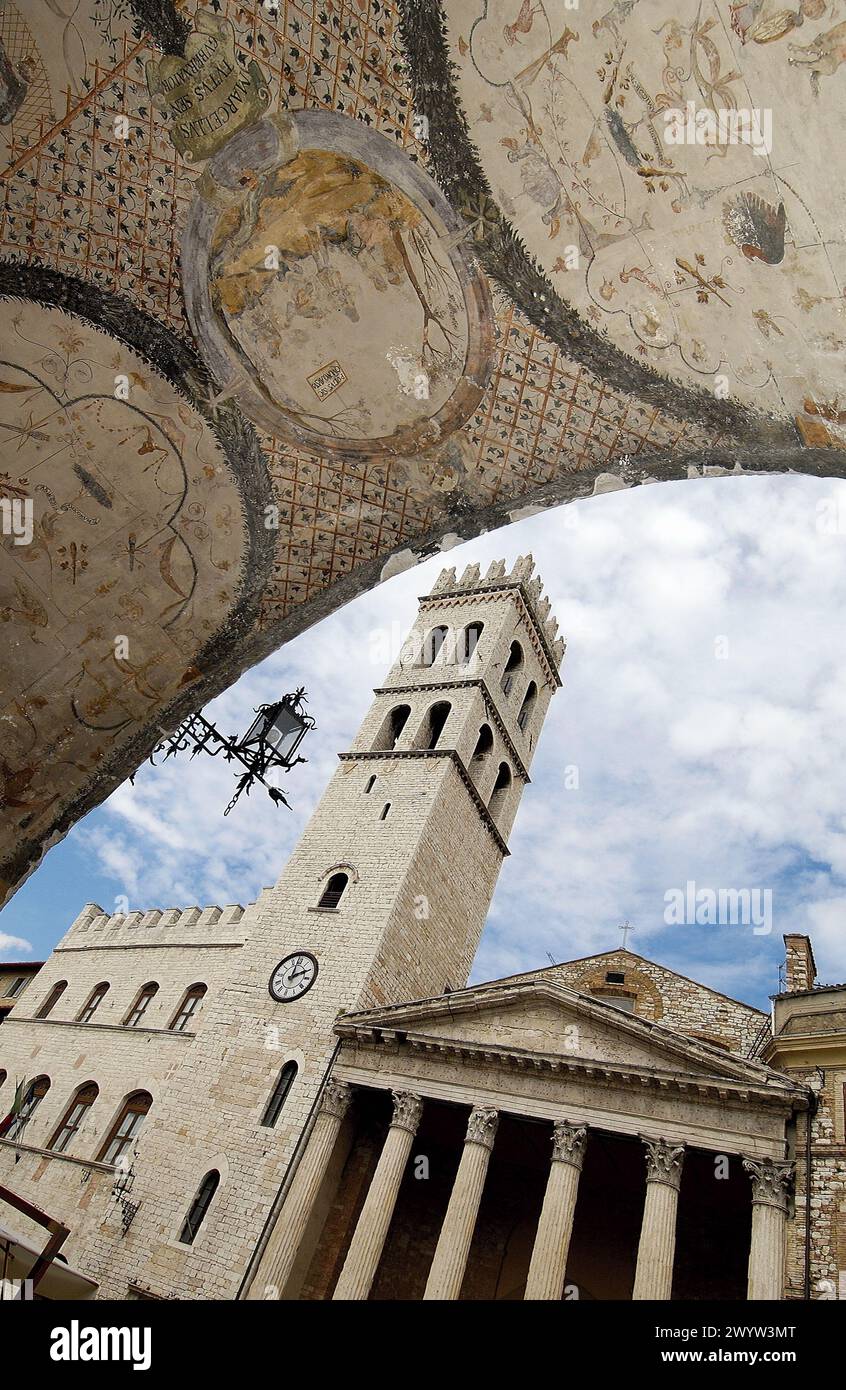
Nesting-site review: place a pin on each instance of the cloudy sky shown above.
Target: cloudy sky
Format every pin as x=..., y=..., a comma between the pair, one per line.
x=702, y=706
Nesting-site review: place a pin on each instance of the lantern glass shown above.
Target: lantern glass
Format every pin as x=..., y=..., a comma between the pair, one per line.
x=258, y=728
x=285, y=731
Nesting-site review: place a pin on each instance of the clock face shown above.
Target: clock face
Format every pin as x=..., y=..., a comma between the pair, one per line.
x=293, y=977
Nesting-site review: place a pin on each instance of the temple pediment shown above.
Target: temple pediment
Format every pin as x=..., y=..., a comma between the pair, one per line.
x=548, y=1021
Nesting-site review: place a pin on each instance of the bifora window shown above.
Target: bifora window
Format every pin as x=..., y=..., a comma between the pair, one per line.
x=126, y=1127
x=142, y=1003
x=73, y=1117
x=189, y=1006
x=199, y=1207
x=279, y=1094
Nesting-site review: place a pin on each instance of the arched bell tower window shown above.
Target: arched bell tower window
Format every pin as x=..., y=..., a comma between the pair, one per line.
x=199, y=1207
x=512, y=666
x=468, y=642
x=484, y=744
x=432, y=644
x=333, y=892
x=500, y=790
x=528, y=705
x=433, y=724
x=395, y=722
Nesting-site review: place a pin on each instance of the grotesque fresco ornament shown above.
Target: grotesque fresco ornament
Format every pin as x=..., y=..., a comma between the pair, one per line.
x=662, y=167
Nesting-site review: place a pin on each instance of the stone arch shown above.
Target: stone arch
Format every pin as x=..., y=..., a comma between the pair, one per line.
x=637, y=986
x=501, y=789
x=342, y=866
x=432, y=725
x=513, y=665
x=392, y=729
x=399, y=507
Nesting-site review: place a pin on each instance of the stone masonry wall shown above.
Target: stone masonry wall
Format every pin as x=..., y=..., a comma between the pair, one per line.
x=828, y=1193
x=177, y=949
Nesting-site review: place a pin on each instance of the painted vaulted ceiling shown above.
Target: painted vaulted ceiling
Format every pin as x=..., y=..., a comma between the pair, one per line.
x=294, y=294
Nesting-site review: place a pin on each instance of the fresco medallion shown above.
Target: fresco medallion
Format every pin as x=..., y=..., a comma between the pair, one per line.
x=332, y=290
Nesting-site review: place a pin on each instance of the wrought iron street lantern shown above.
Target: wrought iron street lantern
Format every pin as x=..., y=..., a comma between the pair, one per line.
x=270, y=743
x=121, y=1188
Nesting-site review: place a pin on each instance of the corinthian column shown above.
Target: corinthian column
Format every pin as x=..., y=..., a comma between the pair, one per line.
x=281, y=1251
x=654, y=1274
x=770, y=1180
x=368, y=1240
x=453, y=1246
x=552, y=1242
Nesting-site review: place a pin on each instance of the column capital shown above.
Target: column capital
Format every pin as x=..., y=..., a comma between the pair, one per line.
x=482, y=1126
x=568, y=1143
x=770, y=1179
x=336, y=1098
x=407, y=1111
x=663, y=1161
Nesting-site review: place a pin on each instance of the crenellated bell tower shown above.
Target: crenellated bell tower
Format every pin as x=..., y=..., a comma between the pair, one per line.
x=440, y=763
x=382, y=901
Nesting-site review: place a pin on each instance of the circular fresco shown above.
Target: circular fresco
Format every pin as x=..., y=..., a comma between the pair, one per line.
x=331, y=289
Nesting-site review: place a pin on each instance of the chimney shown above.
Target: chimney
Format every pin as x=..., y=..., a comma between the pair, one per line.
x=800, y=968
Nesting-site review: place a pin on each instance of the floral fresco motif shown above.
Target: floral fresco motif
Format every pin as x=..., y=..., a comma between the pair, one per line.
x=663, y=165
x=135, y=559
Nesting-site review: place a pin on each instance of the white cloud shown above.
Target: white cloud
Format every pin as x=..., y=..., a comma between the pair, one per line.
x=10, y=946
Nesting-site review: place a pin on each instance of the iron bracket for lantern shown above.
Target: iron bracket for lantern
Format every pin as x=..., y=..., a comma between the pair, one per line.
x=270, y=743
